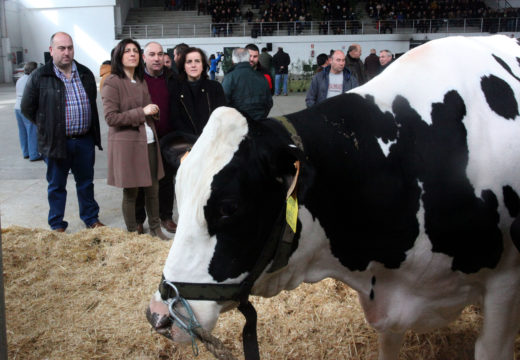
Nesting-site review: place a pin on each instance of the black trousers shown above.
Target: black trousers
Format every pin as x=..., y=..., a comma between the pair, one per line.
x=166, y=197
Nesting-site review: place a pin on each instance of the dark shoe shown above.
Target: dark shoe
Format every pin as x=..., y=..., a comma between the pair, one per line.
x=59, y=230
x=158, y=233
x=26, y=157
x=96, y=225
x=37, y=159
x=169, y=225
x=140, y=229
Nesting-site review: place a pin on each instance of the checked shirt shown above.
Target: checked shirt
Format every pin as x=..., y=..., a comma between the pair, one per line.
x=77, y=105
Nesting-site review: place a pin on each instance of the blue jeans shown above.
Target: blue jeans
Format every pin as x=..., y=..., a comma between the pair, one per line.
x=279, y=77
x=28, y=133
x=212, y=75
x=80, y=160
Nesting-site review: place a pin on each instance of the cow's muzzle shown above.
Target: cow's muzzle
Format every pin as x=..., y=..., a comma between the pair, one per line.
x=160, y=322
x=157, y=314
x=175, y=323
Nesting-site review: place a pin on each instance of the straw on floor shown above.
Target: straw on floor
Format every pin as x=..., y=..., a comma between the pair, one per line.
x=83, y=296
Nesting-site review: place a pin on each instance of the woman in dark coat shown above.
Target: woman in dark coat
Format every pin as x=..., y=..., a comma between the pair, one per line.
x=195, y=97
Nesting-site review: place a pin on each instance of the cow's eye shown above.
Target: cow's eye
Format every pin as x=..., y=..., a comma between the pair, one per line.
x=227, y=209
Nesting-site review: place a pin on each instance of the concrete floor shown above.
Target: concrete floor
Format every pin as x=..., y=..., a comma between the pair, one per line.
x=23, y=187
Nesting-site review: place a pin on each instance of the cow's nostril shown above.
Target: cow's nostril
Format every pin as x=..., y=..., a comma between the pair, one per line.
x=158, y=321
x=163, y=322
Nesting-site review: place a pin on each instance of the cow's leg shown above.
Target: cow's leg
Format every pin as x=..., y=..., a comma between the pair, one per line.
x=389, y=345
x=501, y=323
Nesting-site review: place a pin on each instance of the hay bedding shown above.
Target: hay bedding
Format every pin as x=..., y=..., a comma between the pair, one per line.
x=83, y=295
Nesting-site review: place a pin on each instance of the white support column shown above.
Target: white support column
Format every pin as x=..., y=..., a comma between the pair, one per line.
x=6, y=61
x=7, y=67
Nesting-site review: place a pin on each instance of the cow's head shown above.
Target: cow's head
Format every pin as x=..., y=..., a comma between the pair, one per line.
x=231, y=192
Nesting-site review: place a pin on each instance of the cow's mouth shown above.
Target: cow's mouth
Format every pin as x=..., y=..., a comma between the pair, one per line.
x=160, y=323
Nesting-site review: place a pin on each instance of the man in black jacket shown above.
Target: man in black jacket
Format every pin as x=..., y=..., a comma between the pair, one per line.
x=372, y=64
x=281, y=61
x=60, y=98
x=254, y=57
x=354, y=63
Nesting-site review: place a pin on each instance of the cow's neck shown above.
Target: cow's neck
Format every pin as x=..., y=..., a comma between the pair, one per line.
x=357, y=193
x=311, y=262
x=336, y=210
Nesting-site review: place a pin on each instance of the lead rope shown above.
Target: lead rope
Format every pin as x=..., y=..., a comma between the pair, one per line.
x=214, y=345
x=249, y=337
x=190, y=324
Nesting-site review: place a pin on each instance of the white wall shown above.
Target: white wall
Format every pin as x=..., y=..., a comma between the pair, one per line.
x=504, y=4
x=299, y=47
x=89, y=22
x=53, y=4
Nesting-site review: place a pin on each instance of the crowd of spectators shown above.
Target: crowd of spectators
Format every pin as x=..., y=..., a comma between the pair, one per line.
x=507, y=19
x=334, y=16
x=293, y=15
x=430, y=9
x=223, y=14
x=430, y=15
x=179, y=5
x=224, y=11
x=339, y=16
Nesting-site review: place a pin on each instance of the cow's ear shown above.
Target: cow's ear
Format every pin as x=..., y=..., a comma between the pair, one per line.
x=174, y=146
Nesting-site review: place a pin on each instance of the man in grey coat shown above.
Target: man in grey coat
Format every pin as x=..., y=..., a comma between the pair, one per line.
x=335, y=79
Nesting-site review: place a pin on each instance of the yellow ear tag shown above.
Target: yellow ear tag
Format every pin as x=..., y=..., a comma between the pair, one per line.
x=291, y=212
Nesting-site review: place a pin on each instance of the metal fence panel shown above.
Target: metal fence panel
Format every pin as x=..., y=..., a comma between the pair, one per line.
x=333, y=27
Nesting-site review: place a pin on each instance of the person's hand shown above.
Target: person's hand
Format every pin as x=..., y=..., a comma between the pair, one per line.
x=151, y=109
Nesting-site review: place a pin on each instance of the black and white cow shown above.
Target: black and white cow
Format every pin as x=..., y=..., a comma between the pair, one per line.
x=408, y=190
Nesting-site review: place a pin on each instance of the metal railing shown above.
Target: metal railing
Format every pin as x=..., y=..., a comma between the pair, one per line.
x=362, y=27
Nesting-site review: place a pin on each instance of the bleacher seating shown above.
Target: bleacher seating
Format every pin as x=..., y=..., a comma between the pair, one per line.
x=153, y=22
x=226, y=18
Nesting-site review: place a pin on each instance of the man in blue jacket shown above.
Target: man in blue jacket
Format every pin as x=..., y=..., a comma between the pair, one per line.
x=335, y=79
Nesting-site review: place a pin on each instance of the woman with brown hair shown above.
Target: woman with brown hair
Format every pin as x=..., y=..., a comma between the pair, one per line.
x=195, y=96
x=134, y=157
